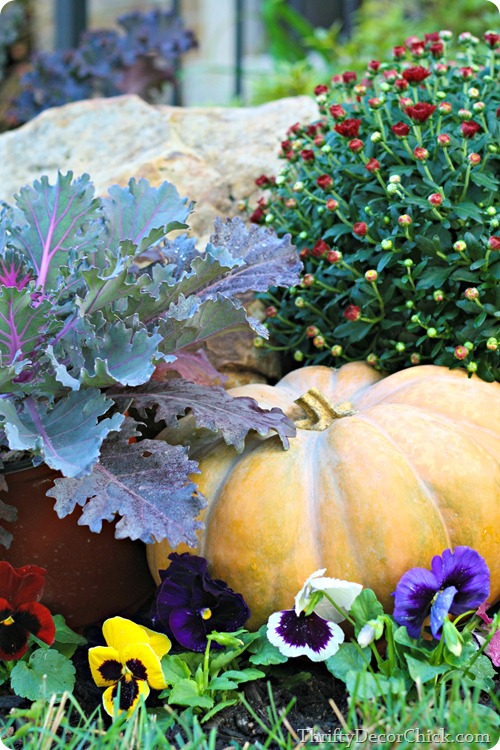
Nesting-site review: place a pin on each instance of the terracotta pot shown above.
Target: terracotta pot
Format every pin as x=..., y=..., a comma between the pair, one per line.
x=89, y=576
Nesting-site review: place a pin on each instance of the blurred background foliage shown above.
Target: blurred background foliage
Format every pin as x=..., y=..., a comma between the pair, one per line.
x=304, y=56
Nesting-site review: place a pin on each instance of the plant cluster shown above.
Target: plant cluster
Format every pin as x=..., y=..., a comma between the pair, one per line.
x=142, y=57
x=99, y=315
x=35, y=647
x=390, y=198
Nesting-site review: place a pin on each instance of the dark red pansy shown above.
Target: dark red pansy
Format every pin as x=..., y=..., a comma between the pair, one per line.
x=17, y=624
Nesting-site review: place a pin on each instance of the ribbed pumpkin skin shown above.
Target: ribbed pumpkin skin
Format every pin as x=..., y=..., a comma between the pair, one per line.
x=415, y=470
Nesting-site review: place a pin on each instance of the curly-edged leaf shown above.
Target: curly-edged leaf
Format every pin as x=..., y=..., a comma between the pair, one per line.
x=22, y=324
x=147, y=484
x=214, y=409
x=193, y=366
x=105, y=289
x=207, y=273
x=68, y=436
x=13, y=269
x=58, y=218
x=122, y=356
x=191, y=322
x=143, y=214
x=269, y=260
x=7, y=513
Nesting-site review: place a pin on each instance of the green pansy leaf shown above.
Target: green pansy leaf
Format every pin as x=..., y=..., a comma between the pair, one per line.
x=264, y=653
x=348, y=657
x=47, y=673
x=187, y=693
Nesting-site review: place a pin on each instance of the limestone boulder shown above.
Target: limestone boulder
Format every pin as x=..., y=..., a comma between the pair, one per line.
x=212, y=155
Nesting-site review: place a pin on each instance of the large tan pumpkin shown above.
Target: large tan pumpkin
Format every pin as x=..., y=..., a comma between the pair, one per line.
x=391, y=472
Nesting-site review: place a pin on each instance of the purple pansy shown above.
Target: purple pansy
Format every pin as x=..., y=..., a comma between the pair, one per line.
x=457, y=582
x=190, y=604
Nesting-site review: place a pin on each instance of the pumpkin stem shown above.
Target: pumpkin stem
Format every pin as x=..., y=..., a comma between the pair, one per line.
x=320, y=411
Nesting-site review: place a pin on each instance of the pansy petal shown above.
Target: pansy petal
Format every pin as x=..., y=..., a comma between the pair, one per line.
x=159, y=642
x=13, y=641
x=189, y=628
x=119, y=632
x=441, y=609
x=412, y=599
x=21, y=585
x=129, y=692
x=230, y=613
x=467, y=570
x=37, y=620
x=493, y=649
x=300, y=635
x=144, y=664
x=303, y=598
x=105, y=665
x=343, y=593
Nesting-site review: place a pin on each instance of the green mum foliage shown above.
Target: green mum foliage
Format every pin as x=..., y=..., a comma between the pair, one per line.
x=391, y=199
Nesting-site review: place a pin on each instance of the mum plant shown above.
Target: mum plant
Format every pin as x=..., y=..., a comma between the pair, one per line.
x=93, y=297
x=391, y=199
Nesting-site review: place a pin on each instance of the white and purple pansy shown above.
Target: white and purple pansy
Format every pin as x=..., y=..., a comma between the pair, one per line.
x=311, y=629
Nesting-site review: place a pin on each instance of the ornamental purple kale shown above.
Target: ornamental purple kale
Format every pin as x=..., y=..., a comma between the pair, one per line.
x=190, y=604
x=83, y=328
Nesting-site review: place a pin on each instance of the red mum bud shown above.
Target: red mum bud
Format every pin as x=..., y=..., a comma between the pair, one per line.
x=334, y=256
x=398, y=51
x=474, y=159
x=320, y=248
x=404, y=220
x=324, y=181
x=465, y=114
x=432, y=37
x=263, y=181
x=466, y=73
x=352, y=312
x=321, y=89
x=420, y=112
x=374, y=102
x=421, y=154
x=373, y=66
x=307, y=154
x=373, y=165
x=371, y=275
x=471, y=293
x=355, y=145
x=360, y=229
x=257, y=216
x=319, y=140
x=371, y=360
x=332, y=204
x=469, y=128
x=291, y=203
x=416, y=74
x=461, y=352
x=295, y=128
x=494, y=242
x=415, y=358
x=492, y=39
x=400, y=84
x=307, y=280
x=443, y=140
x=445, y=108
x=438, y=295
x=312, y=331
x=271, y=311
x=390, y=75
x=349, y=76
x=304, y=253
x=437, y=50
x=319, y=342
x=336, y=80
x=435, y=199
x=338, y=112
x=401, y=129
x=348, y=128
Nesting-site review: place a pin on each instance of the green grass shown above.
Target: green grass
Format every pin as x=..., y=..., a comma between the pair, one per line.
x=457, y=712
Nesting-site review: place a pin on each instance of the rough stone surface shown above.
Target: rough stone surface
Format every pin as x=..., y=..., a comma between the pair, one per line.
x=212, y=155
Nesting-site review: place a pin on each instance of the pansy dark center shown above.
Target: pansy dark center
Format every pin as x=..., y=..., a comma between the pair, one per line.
x=206, y=613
